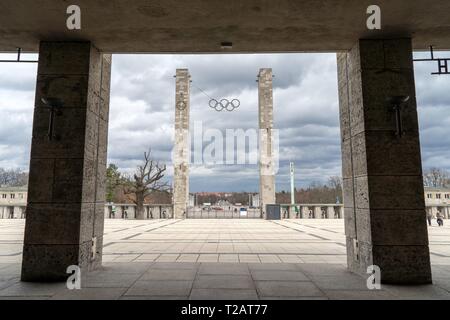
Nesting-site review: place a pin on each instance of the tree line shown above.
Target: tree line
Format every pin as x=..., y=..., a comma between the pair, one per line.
x=316, y=192
x=13, y=177
x=148, y=185
x=436, y=178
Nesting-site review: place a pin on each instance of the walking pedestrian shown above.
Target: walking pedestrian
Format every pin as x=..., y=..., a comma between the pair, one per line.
x=440, y=219
x=429, y=217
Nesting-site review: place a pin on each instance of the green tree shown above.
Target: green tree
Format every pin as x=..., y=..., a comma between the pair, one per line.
x=113, y=180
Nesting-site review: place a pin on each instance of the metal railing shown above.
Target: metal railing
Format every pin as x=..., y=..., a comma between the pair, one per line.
x=210, y=213
x=165, y=211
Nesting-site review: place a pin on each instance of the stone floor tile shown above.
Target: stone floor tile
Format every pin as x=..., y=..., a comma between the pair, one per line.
x=223, y=294
x=424, y=292
x=278, y=275
x=287, y=289
x=322, y=269
x=223, y=282
x=160, y=288
x=109, y=280
x=341, y=282
x=22, y=289
x=90, y=294
x=359, y=295
x=169, y=274
x=125, y=267
x=172, y=265
x=222, y=268
x=273, y=266
x=154, y=298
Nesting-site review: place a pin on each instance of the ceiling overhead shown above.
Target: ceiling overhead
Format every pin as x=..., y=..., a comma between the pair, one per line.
x=203, y=26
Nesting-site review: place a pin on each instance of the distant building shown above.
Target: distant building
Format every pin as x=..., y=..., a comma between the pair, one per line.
x=255, y=200
x=13, y=201
x=438, y=200
x=191, y=200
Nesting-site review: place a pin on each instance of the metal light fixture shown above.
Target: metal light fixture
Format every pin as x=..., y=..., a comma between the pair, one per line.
x=54, y=106
x=396, y=103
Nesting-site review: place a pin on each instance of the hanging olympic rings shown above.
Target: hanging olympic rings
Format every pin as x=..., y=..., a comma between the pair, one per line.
x=224, y=104
x=181, y=105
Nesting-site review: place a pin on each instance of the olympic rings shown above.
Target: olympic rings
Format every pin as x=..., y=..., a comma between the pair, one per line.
x=224, y=104
x=181, y=105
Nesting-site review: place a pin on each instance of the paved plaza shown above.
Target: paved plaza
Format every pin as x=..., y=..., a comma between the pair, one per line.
x=220, y=259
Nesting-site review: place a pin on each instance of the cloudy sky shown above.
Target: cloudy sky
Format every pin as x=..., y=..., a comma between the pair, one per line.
x=305, y=112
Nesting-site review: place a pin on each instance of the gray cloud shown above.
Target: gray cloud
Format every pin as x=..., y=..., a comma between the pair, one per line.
x=305, y=112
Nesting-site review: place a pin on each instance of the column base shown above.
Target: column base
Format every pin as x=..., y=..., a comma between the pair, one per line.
x=48, y=263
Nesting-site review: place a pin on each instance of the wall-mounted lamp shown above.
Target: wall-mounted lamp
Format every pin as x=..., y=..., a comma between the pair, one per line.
x=396, y=103
x=54, y=106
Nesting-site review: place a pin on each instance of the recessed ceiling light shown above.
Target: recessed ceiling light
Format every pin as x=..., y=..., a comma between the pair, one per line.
x=226, y=45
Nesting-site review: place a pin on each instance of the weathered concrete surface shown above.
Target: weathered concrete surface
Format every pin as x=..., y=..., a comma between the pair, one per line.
x=66, y=199
x=223, y=240
x=219, y=281
x=201, y=26
x=181, y=154
x=154, y=259
x=382, y=173
x=266, y=142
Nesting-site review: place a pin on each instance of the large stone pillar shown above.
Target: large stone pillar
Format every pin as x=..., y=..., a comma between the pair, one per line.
x=182, y=145
x=385, y=219
x=66, y=193
x=266, y=142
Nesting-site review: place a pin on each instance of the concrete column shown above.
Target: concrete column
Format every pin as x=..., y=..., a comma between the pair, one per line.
x=182, y=149
x=266, y=146
x=317, y=212
x=66, y=193
x=330, y=212
x=308, y=212
x=305, y=212
x=385, y=217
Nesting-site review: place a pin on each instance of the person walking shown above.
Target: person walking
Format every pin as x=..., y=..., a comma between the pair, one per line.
x=440, y=219
x=429, y=217
x=112, y=213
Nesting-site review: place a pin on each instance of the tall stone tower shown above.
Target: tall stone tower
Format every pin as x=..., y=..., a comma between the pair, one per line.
x=266, y=148
x=181, y=154
x=292, y=172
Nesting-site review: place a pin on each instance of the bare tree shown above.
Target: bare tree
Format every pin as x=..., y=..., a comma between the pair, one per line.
x=13, y=177
x=335, y=183
x=146, y=179
x=435, y=177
